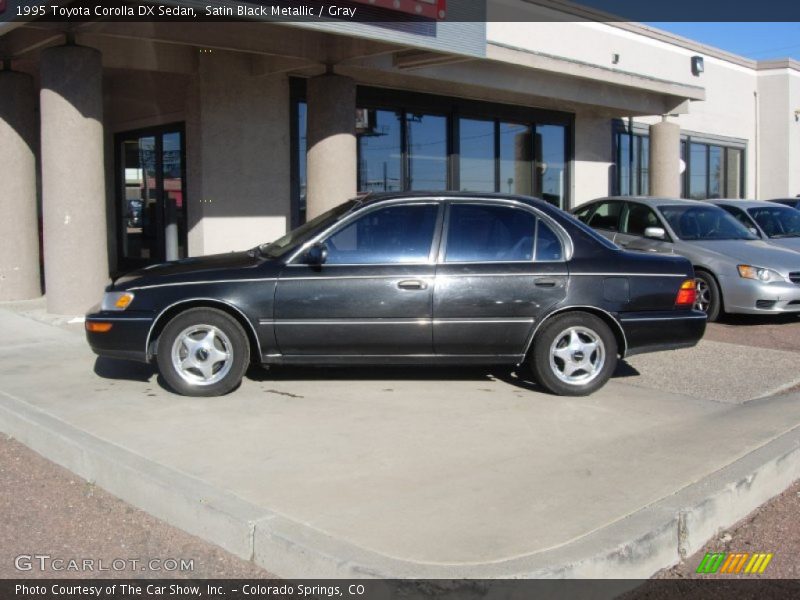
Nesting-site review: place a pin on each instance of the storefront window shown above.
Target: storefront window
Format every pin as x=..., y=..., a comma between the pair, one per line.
x=419, y=142
x=714, y=171
x=516, y=150
x=427, y=151
x=733, y=173
x=379, y=150
x=715, y=184
x=550, y=165
x=476, y=165
x=633, y=164
x=698, y=171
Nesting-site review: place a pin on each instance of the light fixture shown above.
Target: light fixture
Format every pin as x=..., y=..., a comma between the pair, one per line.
x=697, y=65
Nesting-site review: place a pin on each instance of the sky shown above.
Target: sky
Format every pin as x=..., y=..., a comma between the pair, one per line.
x=758, y=41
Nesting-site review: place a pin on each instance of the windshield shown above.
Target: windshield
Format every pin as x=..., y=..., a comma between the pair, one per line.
x=306, y=231
x=777, y=221
x=704, y=223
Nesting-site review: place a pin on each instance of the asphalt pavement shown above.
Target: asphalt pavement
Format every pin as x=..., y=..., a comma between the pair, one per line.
x=455, y=472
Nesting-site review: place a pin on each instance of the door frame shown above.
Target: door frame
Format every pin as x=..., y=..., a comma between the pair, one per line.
x=157, y=131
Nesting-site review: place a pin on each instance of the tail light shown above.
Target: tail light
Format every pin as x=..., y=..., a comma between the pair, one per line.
x=687, y=294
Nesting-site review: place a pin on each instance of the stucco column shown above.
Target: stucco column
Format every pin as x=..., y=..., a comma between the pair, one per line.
x=331, y=168
x=665, y=154
x=73, y=179
x=19, y=230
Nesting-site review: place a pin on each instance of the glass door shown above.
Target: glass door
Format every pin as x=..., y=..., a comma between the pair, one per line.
x=151, y=208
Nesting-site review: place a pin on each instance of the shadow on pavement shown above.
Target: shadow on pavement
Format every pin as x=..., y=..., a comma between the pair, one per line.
x=110, y=368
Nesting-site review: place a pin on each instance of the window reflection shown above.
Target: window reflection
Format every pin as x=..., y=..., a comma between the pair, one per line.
x=515, y=158
x=427, y=151
x=698, y=177
x=550, y=165
x=379, y=156
x=476, y=165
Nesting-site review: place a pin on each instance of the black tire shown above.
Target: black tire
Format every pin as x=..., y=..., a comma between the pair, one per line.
x=711, y=300
x=203, y=376
x=583, y=381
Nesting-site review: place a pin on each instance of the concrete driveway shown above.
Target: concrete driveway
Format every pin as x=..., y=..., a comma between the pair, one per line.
x=416, y=472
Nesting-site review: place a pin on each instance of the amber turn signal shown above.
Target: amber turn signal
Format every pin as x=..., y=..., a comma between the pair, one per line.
x=98, y=326
x=687, y=294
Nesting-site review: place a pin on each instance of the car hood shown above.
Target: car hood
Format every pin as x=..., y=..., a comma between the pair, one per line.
x=788, y=243
x=188, y=269
x=758, y=253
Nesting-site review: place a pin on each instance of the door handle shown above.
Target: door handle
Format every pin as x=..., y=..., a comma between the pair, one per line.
x=545, y=282
x=412, y=284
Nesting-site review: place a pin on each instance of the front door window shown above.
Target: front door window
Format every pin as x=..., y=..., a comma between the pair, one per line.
x=151, y=209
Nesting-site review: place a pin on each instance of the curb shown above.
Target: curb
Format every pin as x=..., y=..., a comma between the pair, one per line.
x=635, y=547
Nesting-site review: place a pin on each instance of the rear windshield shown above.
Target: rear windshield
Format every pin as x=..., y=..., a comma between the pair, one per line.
x=704, y=223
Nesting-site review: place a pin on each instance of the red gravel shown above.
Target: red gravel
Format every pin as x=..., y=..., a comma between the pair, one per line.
x=47, y=510
x=773, y=527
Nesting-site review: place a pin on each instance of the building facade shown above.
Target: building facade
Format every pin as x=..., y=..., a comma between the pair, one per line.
x=123, y=144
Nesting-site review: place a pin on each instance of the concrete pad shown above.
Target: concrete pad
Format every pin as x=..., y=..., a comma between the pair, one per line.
x=719, y=371
x=398, y=473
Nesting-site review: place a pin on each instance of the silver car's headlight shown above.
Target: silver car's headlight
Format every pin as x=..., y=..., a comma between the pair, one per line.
x=759, y=274
x=116, y=300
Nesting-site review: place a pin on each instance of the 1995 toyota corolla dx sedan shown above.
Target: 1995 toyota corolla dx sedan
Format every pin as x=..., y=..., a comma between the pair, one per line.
x=406, y=279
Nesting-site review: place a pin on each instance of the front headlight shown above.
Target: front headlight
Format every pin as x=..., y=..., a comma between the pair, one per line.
x=116, y=300
x=759, y=274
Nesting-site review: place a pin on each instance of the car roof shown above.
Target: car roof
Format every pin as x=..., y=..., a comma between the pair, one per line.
x=440, y=196
x=745, y=203
x=652, y=201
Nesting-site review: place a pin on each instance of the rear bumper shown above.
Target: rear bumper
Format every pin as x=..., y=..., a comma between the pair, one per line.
x=127, y=338
x=662, y=330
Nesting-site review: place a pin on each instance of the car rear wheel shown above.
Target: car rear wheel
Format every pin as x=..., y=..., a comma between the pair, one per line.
x=574, y=354
x=708, y=298
x=203, y=352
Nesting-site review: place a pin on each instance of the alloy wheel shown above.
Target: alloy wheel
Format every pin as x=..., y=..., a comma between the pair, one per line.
x=577, y=355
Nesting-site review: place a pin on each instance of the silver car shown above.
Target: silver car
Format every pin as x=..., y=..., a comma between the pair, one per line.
x=736, y=271
x=770, y=221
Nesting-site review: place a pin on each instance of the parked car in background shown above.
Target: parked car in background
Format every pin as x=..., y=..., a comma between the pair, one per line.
x=736, y=271
x=770, y=221
x=423, y=278
x=790, y=202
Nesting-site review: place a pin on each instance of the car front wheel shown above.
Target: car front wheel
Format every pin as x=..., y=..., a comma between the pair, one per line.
x=203, y=352
x=574, y=354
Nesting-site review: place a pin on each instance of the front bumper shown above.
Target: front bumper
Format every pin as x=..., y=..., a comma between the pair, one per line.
x=654, y=331
x=127, y=338
x=748, y=296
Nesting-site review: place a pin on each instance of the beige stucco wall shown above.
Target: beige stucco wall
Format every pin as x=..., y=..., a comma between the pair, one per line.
x=238, y=159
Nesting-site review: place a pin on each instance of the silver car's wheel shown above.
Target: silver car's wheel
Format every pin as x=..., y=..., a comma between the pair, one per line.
x=577, y=355
x=703, y=296
x=202, y=354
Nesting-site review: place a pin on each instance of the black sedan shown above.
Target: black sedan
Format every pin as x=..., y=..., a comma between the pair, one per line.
x=406, y=279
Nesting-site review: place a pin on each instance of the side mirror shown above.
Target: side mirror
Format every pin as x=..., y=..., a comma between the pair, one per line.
x=754, y=231
x=655, y=233
x=317, y=254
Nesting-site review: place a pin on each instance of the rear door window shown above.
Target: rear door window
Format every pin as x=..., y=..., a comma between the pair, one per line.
x=485, y=233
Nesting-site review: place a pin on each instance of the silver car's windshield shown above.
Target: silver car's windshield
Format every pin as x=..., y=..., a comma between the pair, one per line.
x=697, y=223
x=777, y=221
x=306, y=231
